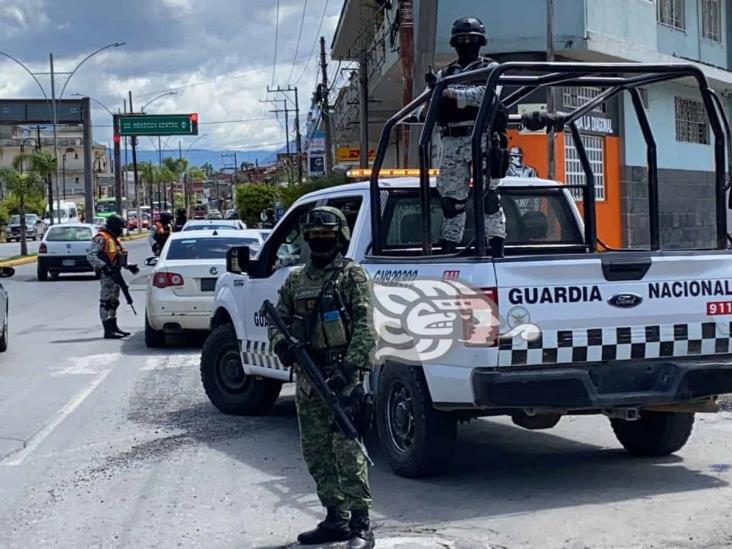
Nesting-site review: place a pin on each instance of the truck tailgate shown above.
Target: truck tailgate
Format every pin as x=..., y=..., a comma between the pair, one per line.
x=615, y=306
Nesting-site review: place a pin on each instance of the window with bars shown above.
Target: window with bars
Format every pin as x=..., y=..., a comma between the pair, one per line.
x=671, y=13
x=577, y=96
x=712, y=20
x=691, y=121
x=574, y=174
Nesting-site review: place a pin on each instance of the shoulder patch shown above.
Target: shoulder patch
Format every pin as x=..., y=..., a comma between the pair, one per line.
x=357, y=274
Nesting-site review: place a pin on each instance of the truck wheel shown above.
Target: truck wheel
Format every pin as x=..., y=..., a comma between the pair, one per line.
x=655, y=433
x=42, y=274
x=226, y=385
x=417, y=439
x=4, y=336
x=154, y=339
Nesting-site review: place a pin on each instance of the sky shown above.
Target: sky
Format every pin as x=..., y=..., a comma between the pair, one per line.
x=218, y=55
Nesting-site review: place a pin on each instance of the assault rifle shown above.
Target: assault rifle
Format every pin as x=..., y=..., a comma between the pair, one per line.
x=116, y=274
x=312, y=372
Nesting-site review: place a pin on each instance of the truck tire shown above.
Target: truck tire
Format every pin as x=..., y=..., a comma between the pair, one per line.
x=4, y=336
x=226, y=385
x=655, y=433
x=417, y=440
x=154, y=339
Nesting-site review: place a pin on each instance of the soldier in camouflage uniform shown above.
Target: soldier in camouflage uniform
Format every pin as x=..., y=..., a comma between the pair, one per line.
x=458, y=111
x=326, y=303
x=105, y=254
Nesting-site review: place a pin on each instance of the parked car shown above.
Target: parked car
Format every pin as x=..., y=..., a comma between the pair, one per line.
x=132, y=221
x=34, y=228
x=214, y=224
x=64, y=212
x=181, y=289
x=5, y=272
x=215, y=214
x=231, y=214
x=63, y=250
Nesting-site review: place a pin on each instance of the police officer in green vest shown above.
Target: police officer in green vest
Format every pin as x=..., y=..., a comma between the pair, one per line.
x=327, y=303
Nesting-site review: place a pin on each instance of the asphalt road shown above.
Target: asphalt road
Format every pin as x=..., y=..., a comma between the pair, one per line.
x=107, y=444
x=10, y=249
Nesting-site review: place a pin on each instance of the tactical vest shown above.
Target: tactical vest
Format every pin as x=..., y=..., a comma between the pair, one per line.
x=321, y=319
x=112, y=248
x=449, y=112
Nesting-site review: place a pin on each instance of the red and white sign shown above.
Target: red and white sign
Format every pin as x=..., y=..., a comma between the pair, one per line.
x=719, y=308
x=450, y=275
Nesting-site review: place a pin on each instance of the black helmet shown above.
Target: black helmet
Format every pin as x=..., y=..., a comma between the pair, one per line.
x=165, y=217
x=468, y=26
x=115, y=224
x=327, y=218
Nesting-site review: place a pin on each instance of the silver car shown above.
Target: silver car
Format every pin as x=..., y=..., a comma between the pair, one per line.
x=5, y=272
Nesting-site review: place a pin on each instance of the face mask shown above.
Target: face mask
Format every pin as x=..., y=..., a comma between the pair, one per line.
x=467, y=53
x=323, y=247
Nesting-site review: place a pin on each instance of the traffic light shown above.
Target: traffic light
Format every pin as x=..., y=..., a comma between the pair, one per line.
x=116, y=139
x=194, y=123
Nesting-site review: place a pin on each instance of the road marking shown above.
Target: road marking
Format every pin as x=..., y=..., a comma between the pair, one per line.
x=87, y=365
x=169, y=362
x=63, y=413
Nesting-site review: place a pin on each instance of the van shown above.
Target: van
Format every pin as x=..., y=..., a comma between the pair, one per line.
x=66, y=210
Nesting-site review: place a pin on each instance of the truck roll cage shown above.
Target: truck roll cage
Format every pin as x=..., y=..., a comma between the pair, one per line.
x=527, y=77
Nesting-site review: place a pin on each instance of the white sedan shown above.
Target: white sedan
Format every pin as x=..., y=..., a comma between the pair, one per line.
x=63, y=250
x=217, y=224
x=181, y=291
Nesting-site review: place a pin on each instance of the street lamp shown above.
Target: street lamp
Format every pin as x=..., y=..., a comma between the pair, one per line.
x=166, y=94
x=22, y=150
x=95, y=101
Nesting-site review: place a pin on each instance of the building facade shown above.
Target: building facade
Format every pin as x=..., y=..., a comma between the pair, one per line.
x=660, y=31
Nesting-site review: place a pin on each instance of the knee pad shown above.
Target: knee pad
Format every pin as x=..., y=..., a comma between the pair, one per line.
x=491, y=202
x=452, y=207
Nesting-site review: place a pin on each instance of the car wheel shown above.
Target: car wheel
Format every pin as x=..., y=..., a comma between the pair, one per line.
x=153, y=338
x=42, y=273
x=655, y=434
x=54, y=275
x=4, y=336
x=226, y=385
x=417, y=439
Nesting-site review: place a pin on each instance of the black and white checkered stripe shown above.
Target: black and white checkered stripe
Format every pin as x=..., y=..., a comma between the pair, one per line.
x=258, y=353
x=617, y=343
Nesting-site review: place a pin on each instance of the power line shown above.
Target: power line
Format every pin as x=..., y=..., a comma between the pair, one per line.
x=299, y=37
x=315, y=43
x=277, y=30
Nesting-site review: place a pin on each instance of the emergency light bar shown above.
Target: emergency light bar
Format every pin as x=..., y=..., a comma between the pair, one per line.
x=399, y=172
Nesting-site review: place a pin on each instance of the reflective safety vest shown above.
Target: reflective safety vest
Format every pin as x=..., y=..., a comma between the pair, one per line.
x=112, y=248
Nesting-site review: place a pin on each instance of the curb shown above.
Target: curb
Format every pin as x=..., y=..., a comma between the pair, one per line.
x=135, y=236
x=18, y=262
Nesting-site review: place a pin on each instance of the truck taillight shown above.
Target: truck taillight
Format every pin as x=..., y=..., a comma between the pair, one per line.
x=43, y=249
x=492, y=294
x=166, y=280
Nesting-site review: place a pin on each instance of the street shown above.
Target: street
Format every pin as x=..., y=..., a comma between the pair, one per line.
x=107, y=444
x=11, y=249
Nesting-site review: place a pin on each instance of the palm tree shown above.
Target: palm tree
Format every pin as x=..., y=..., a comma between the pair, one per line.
x=23, y=186
x=149, y=174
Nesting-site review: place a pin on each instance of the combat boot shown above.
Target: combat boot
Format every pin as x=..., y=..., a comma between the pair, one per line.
x=109, y=331
x=113, y=322
x=362, y=537
x=496, y=245
x=447, y=246
x=333, y=528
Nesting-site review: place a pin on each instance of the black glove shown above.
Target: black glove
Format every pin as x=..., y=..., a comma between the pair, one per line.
x=134, y=269
x=430, y=78
x=284, y=353
x=341, y=378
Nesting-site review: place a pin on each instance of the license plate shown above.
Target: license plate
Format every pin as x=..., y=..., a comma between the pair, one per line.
x=68, y=262
x=208, y=284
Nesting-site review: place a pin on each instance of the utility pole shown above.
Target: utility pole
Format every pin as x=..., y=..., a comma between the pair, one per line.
x=550, y=103
x=117, y=165
x=287, y=129
x=424, y=59
x=325, y=109
x=298, y=136
x=406, y=53
x=134, y=168
x=363, y=81
x=55, y=139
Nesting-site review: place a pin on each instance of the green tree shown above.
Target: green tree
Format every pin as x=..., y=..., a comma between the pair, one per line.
x=44, y=164
x=23, y=186
x=252, y=199
x=194, y=172
x=148, y=174
x=293, y=192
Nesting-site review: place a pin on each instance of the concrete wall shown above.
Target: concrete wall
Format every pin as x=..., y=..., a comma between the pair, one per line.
x=623, y=19
x=686, y=208
x=672, y=154
x=689, y=44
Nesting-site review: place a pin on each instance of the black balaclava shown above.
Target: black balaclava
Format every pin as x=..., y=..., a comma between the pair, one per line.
x=467, y=53
x=323, y=249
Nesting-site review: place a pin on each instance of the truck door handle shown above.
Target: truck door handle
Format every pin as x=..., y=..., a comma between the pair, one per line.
x=625, y=269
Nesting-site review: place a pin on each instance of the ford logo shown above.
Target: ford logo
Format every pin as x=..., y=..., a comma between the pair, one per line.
x=625, y=301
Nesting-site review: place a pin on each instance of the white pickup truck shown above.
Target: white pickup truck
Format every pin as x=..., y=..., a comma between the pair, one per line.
x=642, y=337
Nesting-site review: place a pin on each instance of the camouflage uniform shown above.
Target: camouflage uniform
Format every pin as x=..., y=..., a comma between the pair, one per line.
x=456, y=159
x=109, y=293
x=335, y=463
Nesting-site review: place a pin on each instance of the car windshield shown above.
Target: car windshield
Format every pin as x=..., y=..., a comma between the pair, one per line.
x=205, y=248
x=69, y=234
x=64, y=214
x=212, y=226
x=15, y=219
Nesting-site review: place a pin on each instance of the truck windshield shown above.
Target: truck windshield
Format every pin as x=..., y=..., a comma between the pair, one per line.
x=533, y=216
x=206, y=248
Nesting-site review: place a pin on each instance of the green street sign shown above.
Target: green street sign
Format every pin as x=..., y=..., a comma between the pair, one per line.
x=158, y=124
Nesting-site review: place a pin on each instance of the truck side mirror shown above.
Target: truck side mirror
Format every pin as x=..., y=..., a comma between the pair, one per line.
x=238, y=259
